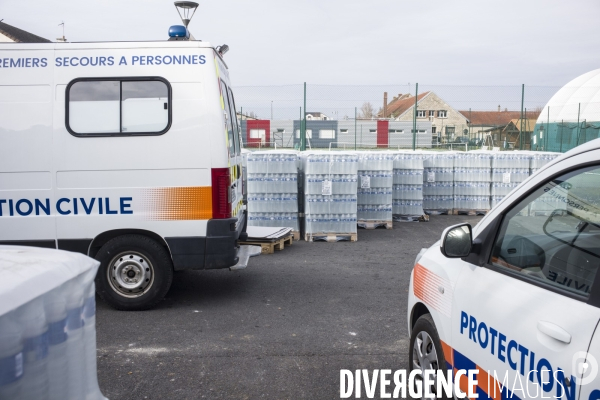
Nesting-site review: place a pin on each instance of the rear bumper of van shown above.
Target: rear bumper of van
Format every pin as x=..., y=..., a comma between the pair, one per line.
x=217, y=250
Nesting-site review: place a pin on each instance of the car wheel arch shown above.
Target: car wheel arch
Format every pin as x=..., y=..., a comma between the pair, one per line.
x=418, y=310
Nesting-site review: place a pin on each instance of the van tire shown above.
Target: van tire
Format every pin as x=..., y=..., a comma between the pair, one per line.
x=425, y=327
x=135, y=272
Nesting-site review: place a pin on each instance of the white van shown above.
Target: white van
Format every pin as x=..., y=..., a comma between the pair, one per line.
x=518, y=296
x=126, y=152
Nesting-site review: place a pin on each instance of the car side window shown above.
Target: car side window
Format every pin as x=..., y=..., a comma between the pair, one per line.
x=553, y=235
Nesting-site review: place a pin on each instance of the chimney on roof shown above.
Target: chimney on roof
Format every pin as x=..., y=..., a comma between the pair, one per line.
x=498, y=107
x=384, y=104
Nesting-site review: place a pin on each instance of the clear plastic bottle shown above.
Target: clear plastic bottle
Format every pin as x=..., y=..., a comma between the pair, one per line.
x=11, y=357
x=75, y=344
x=55, y=304
x=32, y=319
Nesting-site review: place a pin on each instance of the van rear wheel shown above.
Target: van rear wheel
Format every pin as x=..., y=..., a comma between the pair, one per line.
x=135, y=272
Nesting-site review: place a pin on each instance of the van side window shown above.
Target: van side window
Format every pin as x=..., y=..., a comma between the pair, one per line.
x=553, y=235
x=229, y=122
x=238, y=129
x=101, y=107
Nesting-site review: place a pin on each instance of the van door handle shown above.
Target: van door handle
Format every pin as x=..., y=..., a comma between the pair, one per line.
x=554, y=331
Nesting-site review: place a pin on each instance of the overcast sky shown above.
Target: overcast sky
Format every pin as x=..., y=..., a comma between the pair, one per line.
x=350, y=42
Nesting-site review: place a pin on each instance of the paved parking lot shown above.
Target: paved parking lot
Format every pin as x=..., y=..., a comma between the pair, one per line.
x=281, y=329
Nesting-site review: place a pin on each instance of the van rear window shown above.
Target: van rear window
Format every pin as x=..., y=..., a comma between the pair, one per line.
x=113, y=106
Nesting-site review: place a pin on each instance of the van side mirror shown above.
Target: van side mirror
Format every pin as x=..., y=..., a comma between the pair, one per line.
x=457, y=241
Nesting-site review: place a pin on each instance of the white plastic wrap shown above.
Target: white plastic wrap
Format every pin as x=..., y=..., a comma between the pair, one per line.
x=47, y=325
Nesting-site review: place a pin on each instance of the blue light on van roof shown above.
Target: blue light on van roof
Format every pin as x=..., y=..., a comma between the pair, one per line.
x=179, y=31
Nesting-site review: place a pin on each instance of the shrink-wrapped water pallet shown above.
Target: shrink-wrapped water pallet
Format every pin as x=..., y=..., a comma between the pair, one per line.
x=546, y=203
x=472, y=180
x=374, y=193
x=407, y=190
x=272, y=178
x=438, y=176
x=47, y=325
x=330, y=195
x=509, y=169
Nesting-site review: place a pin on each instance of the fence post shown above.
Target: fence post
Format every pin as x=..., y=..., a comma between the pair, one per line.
x=355, y=115
x=578, y=128
x=415, y=118
x=521, y=128
x=547, y=131
x=303, y=130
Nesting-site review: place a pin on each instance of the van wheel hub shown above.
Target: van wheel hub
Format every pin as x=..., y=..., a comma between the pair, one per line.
x=131, y=274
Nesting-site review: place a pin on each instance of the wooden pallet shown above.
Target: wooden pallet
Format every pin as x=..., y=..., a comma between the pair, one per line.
x=331, y=237
x=457, y=211
x=268, y=247
x=365, y=224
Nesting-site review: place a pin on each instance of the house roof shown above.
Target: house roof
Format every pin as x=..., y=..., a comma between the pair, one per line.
x=495, y=118
x=400, y=106
x=19, y=35
x=528, y=123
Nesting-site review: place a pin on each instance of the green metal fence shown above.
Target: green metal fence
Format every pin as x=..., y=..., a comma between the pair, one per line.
x=413, y=115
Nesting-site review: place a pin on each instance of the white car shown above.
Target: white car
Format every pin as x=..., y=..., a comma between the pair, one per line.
x=517, y=296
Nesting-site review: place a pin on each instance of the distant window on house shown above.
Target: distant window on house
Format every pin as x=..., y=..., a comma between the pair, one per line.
x=399, y=131
x=326, y=134
x=450, y=130
x=257, y=133
x=433, y=129
x=372, y=130
x=308, y=133
x=442, y=114
x=343, y=131
x=419, y=131
x=431, y=113
x=421, y=113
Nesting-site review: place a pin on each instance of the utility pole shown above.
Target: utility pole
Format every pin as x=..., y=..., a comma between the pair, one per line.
x=415, y=118
x=63, y=38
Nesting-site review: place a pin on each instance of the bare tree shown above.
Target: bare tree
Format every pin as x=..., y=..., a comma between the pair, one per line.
x=367, y=111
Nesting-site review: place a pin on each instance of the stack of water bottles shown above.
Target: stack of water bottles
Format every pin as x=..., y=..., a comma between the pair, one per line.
x=546, y=203
x=47, y=325
x=472, y=179
x=375, y=177
x=539, y=159
x=407, y=192
x=330, y=193
x=272, y=178
x=509, y=169
x=438, y=175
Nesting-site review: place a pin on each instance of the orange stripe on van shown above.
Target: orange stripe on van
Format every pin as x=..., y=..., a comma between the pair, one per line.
x=179, y=203
x=489, y=384
x=448, y=353
x=427, y=287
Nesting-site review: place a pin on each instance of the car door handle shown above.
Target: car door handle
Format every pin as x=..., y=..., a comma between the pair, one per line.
x=554, y=331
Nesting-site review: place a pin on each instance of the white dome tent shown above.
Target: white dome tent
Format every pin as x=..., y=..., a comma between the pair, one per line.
x=571, y=117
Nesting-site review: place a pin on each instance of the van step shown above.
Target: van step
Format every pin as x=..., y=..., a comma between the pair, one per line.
x=371, y=224
x=244, y=254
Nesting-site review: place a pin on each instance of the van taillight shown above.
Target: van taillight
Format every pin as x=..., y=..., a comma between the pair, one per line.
x=220, y=193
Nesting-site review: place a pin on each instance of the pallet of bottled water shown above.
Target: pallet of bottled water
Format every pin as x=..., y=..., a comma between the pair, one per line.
x=407, y=191
x=438, y=178
x=472, y=181
x=375, y=175
x=330, y=195
x=539, y=159
x=47, y=325
x=272, y=178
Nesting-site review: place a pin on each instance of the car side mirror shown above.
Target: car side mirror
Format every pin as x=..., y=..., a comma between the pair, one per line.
x=457, y=241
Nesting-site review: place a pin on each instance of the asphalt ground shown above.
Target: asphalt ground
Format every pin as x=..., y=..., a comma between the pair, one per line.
x=281, y=329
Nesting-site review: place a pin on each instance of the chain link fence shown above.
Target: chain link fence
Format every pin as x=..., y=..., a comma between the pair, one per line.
x=410, y=116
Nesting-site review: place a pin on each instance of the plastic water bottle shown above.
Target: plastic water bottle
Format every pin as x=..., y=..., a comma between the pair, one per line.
x=32, y=319
x=11, y=357
x=91, y=388
x=75, y=345
x=55, y=304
